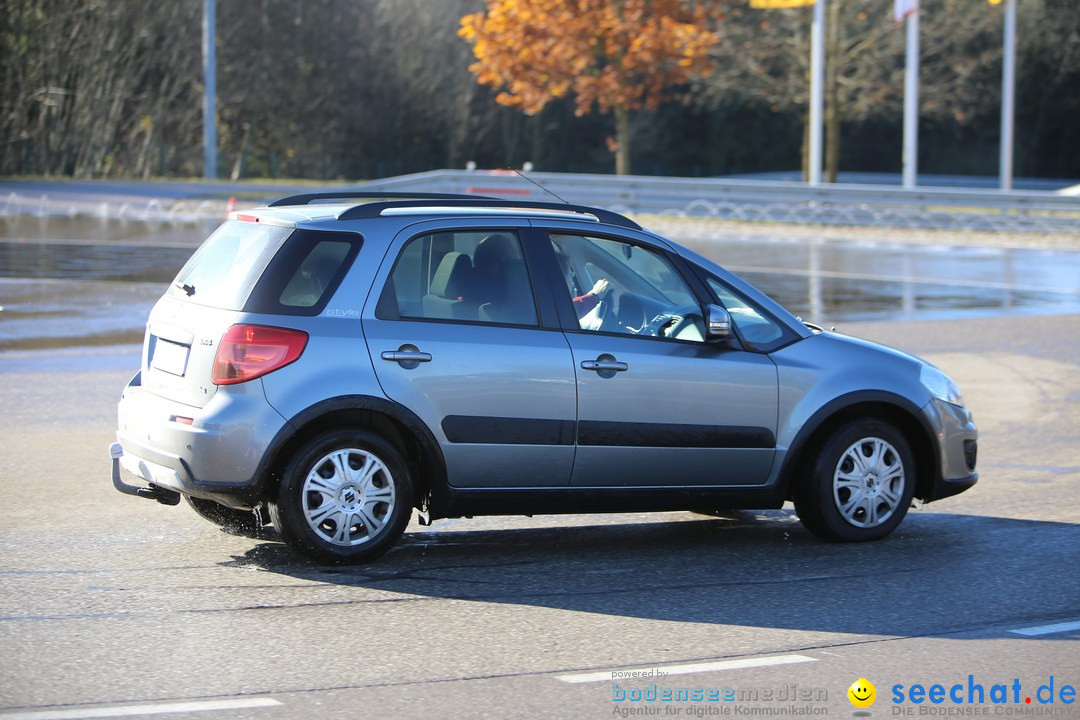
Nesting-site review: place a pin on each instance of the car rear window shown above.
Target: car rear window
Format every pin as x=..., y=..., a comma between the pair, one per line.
x=267, y=269
x=224, y=269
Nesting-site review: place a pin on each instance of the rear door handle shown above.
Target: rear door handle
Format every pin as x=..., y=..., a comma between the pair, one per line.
x=604, y=363
x=408, y=356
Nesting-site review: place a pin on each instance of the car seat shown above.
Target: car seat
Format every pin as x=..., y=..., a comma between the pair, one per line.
x=448, y=294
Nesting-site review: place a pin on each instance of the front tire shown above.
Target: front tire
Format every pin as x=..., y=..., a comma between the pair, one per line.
x=860, y=483
x=345, y=497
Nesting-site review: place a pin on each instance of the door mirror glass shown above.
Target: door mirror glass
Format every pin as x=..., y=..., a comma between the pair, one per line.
x=718, y=322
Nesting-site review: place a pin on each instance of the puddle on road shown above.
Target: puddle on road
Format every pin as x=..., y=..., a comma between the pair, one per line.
x=84, y=281
x=65, y=313
x=85, y=230
x=833, y=281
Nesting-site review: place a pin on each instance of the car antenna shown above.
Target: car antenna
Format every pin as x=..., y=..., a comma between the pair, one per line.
x=549, y=192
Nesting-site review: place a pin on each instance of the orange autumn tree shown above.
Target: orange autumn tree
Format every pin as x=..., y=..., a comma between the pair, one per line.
x=617, y=56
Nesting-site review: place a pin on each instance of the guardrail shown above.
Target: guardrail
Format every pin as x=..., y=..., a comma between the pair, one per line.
x=768, y=201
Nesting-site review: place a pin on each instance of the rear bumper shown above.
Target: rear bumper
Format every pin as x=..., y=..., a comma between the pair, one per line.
x=206, y=452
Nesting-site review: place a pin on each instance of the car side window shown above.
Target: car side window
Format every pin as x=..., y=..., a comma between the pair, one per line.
x=303, y=275
x=472, y=276
x=754, y=326
x=620, y=287
x=312, y=278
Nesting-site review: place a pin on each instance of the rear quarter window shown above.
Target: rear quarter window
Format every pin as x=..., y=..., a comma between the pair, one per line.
x=305, y=272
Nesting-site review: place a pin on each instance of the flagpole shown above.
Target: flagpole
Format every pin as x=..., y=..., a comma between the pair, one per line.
x=1008, y=92
x=911, y=101
x=817, y=90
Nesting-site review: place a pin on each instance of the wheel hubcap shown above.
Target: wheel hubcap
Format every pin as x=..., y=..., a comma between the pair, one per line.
x=868, y=484
x=348, y=497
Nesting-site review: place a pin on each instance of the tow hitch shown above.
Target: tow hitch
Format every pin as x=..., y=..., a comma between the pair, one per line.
x=163, y=496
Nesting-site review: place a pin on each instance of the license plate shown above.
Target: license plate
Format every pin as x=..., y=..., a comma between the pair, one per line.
x=170, y=357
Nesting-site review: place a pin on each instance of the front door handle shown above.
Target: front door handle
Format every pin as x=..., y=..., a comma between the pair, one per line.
x=605, y=363
x=408, y=356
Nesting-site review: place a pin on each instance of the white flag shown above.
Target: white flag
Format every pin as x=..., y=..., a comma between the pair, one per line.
x=905, y=8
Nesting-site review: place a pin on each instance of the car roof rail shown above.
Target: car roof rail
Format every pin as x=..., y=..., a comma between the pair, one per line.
x=375, y=209
x=308, y=198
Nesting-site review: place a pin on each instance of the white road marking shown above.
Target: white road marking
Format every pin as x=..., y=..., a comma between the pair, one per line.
x=1048, y=629
x=127, y=710
x=654, y=672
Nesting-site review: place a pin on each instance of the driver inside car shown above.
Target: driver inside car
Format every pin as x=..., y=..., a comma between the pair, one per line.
x=592, y=308
x=584, y=303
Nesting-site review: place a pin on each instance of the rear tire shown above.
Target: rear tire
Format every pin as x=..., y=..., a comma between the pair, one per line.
x=860, y=483
x=345, y=497
x=235, y=522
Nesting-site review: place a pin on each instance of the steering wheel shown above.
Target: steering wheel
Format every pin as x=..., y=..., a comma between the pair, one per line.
x=629, y=316
x=603, y=313
x=672, y=322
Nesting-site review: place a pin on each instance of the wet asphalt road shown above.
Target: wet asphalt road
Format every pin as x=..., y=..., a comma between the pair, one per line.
x=109, y=602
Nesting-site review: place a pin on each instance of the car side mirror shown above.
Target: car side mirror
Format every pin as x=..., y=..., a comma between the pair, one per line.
x=717, y=323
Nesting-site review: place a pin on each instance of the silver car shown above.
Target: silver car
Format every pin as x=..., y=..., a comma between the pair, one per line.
x=331, y=362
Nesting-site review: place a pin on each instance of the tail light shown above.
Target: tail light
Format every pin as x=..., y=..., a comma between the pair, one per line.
x=250, y=351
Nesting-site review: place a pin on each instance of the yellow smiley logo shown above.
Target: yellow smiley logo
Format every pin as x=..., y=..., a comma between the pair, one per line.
x=862, y=693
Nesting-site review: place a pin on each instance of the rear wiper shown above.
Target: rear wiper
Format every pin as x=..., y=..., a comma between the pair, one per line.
x=189, y=289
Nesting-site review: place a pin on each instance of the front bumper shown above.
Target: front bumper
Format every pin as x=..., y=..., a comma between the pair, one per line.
x=957, y=441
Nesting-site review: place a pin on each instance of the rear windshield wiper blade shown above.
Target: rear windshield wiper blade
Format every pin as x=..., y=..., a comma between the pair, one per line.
x=189, y=289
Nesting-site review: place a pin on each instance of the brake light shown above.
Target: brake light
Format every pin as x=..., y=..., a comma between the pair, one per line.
x=250, y=351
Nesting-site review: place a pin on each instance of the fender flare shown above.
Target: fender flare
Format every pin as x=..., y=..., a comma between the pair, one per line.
x=797, y=448
x=304, y=419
